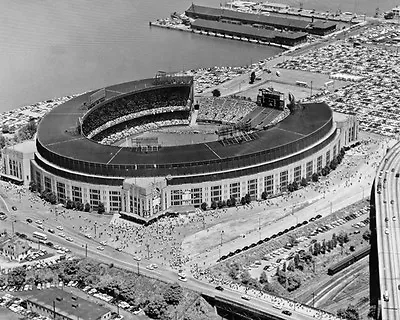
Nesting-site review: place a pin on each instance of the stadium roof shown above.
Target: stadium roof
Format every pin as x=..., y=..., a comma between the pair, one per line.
x=244, y=30
x=55, y=134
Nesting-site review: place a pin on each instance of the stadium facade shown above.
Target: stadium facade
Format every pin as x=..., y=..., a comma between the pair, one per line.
x=143, y=181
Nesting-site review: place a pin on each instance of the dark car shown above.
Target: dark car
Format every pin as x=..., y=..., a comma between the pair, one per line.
x=219, y=288
x=14, y=208
x=51, y=230
x=29, y=220
x=49, y=244
x=287, y=312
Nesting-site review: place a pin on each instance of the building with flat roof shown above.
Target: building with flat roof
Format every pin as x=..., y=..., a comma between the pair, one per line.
x=17, y=162
x=58, y=304
x=290, y=23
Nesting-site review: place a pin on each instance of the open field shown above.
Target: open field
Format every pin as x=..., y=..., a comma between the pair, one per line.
x=177, y=135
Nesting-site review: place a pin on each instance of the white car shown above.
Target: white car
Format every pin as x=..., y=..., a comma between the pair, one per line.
x=245, y=297
x=69, y=239
x=103, y=243
x=182, y=279
x=394, y=218
x=39, y=222
x=137, y=258
x=100, y=248
x=149, y=267
x=61, y=234
x=88, y=235
x=60, y=228
x=387, y=231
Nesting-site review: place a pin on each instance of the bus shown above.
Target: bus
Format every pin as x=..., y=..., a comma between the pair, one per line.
x=39, y=235
x=302, y=84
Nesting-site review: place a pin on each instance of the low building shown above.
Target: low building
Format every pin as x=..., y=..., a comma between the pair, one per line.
x=17, y=162
x=61, y=305
x=14, y=249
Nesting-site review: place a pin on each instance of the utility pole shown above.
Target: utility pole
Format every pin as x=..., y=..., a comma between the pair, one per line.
x=138, y=268
x=311, y=90
x=259, y=227
x=148, y=251
x=86, y=250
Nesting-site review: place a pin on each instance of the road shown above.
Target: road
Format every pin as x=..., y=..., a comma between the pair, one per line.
x=126, y=261
x=387, y=228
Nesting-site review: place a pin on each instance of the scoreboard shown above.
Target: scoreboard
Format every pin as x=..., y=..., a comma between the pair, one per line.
x=270, y=98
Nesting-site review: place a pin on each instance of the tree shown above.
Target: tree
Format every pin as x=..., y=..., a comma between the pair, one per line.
x=52, y=198
x=216, y=93
x=3, y=280
x=87, y=207
x=290, y=187
x=220, y=204
x=16, y=277
x=295, y=185
x=213, y=205
x=100, y=208
x=268, y=288
x=174, y=294
x=315, y=177
x=234, y=269
x=78, y=205
x=243, y=201
x=263, y=278
x=333, y=165
x=3, y=141
x=293, y=282
x=156, y=309
x=233, y=201
x=245, y=277
x=296, y=260
x=228, y=203
x=303, y=182
x=32, y=186
x=367, y=235
x=264, y=195
x=252, y=77
x=203, y=206
x=351, y=313
x=247, y=198
x=373, y=312
x=69, y=204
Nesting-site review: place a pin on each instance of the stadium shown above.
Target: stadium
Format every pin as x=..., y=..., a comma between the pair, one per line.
x=147, y=147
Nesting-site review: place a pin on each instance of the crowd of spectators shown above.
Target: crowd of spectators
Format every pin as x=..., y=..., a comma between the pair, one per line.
x=157, y=98
x=139, y=125
x=135, y=115
x=372, y=57
x=225, y=110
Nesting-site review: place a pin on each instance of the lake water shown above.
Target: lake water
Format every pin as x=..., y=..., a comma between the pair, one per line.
x=51, y=48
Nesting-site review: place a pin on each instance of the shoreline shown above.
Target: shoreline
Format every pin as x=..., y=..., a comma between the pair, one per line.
x=216, y=76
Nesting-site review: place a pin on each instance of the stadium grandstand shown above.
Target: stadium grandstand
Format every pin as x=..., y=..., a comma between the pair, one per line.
x=145, y=179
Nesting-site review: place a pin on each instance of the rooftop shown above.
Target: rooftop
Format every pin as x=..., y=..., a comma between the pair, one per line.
x=28, y=146
x=68, y=305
